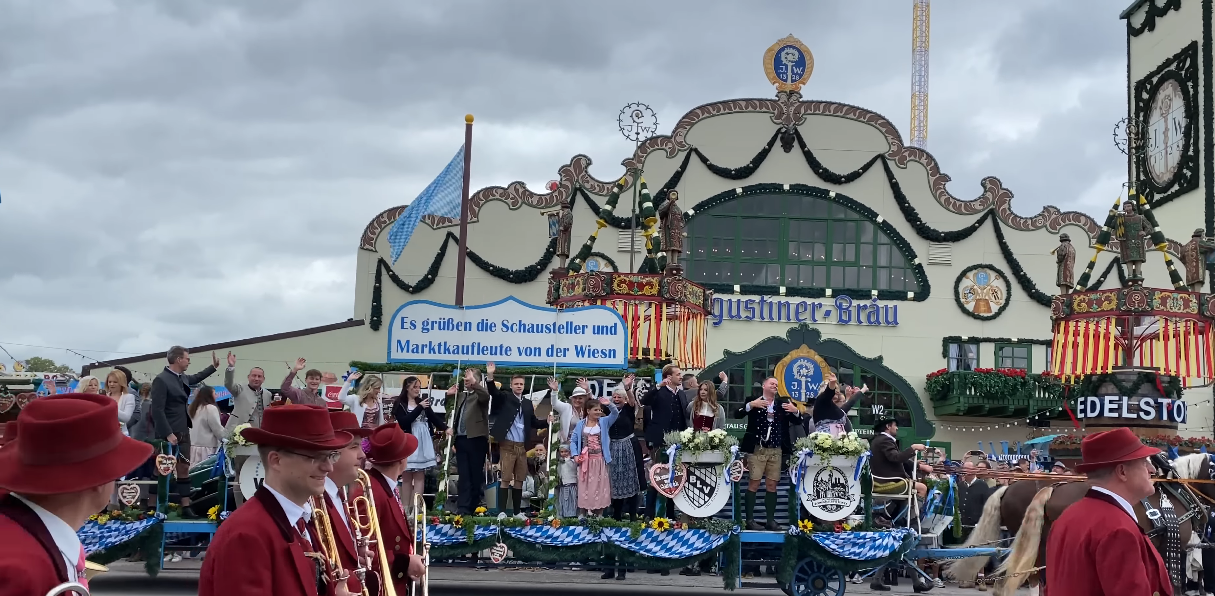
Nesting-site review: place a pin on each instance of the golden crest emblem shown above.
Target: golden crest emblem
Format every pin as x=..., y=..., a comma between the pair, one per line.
x=800, y=374
x=788, y=64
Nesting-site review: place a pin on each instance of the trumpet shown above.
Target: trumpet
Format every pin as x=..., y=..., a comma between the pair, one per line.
x=421, y=546
x=68, y=588
x=365, y=518
x=91, y=570
x=328, y=557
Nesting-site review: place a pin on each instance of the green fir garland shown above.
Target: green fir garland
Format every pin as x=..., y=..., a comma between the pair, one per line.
x=575, y=264
x=1091, y=384
x=145, y=544
x=515, y=276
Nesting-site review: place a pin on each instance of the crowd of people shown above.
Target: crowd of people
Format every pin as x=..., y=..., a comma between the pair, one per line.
x=604, y=445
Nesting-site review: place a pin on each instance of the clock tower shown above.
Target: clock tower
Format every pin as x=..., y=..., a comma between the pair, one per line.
x=1169, y=109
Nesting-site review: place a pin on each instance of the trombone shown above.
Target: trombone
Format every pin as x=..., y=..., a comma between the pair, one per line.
x=421, y=546
x=364, y=519
x=328, y=557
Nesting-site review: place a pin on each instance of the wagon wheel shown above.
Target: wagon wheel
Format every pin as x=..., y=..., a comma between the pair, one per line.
x=812, y=578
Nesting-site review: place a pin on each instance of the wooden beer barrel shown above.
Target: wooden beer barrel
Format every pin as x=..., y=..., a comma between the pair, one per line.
x=1147, y=413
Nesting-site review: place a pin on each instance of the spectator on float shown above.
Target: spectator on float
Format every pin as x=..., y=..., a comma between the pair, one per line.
x=570, y=412
x=1023, y=465
x=567, y=487
x=414, y=415
x=170, y=399
x=704, y=412
x=366, y=404
x=88, y=384
x=767, y=443
x=622, y=467
x=1059, y=468
x=586, y=444
x=470, y=430
x=249, y=401
x=667, y=413
x=144, y=429
x=312, y=394
x=513, y=426
x=116, y=389
x=206, y=429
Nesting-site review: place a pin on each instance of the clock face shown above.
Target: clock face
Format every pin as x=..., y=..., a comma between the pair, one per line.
x=1168, y=131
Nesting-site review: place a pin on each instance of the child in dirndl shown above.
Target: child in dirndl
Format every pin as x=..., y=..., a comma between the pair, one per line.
x=589, y=444
x=567, y=484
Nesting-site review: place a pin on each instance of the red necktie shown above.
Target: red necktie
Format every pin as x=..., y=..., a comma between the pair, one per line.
x=80, y=574
x=303, y=531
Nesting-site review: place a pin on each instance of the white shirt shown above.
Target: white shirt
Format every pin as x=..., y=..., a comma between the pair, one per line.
x=331, y=488
x=294, y=512
x=64, y=536
x=1121, y=502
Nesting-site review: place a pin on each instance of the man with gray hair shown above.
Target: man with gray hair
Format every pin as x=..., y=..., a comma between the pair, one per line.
x=170, y=398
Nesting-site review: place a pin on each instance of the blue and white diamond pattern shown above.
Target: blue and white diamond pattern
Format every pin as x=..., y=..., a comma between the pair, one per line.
x=447, y=534
x=550, y=536
x=665, y=545
x=98, y=537
x=861, y=546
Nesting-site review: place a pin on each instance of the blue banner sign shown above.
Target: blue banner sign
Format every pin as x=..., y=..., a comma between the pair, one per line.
x=509, y=331
x=777, y=309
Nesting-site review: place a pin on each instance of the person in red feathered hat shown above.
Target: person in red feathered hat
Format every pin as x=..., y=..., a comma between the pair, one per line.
x=59, y=470
x=389, y=447
x=263, y=547
x=1097, y=547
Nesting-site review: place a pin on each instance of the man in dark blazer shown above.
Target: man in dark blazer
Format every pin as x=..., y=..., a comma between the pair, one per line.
x=766, y=444
x=514, y=426
x=470, y=430
x=972, y=496
x=886, y=460
x=665, y=413
x=170, y=398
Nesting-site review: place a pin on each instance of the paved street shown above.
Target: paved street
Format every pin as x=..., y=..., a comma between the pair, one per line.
x=128, y=578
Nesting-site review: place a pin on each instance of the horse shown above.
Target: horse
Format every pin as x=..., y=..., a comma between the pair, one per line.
x=1032, y=505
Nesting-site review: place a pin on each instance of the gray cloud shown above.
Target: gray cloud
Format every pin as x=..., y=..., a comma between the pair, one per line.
x=196, y=172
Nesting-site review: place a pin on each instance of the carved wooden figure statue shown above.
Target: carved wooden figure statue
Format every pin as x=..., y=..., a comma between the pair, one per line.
x=672, y=230
x=1131, y=231
x=1194, y=255
x=1065, y=258
x=565, y=231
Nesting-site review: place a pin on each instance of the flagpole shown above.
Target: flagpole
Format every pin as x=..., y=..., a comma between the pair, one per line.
x=468, y=122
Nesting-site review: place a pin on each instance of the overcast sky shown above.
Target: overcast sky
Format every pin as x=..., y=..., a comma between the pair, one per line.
x=195, y=172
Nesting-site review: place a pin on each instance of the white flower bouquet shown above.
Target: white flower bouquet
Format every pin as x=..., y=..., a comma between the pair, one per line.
x=696, y=443
x=827, y=446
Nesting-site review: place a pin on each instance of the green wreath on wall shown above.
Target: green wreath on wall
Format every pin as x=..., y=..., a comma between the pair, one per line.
x=965, y=276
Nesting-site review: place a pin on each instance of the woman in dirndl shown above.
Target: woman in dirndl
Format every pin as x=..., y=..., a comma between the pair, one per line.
x=413, y=413
x=586, y=444
x=622, y=469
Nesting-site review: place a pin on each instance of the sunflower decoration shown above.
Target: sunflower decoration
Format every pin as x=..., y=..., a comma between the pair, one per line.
x=847, y=526
x=458, y=521
x=213, y=513
x=805, y=526
x=102, y=519
x=480, y=510
x=93, y=517
x=660, y=524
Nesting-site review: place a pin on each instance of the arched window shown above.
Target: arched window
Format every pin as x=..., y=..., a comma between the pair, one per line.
x=793, y=240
